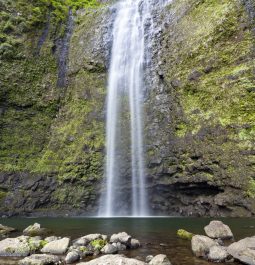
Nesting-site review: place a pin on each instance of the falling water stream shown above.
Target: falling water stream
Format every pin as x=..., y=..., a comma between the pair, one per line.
x=125, y=112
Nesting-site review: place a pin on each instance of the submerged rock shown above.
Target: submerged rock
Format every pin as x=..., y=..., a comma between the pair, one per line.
x=201, y=245
x=216, y=229
x=6, y=229
x=57, y=247
x=181, y=233
x=160, y=260
x=243, y=250
x=14, y=247
x=40, y=259
x=113, y=260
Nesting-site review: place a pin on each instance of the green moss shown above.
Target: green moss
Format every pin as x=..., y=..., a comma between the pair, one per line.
x=3, y=194
x=220, y=95
x=251, y=189
x=98, y=244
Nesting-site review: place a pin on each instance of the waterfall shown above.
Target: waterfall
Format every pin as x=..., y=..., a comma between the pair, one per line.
x=125, y=113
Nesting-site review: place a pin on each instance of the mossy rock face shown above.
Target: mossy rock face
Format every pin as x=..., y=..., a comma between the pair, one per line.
x=203, y=157
x=51, y=136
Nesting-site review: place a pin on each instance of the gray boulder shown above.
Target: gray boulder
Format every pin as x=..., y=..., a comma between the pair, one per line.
x=201, y=245
x=57, y=247
x=218, y=254
x=119, y=246
x=72, y=257
x=81, y=242
x=14, y=247
x=135, y=243
x=122, y=237
x=113, y=260
x=51, y=238
x=39, y=259
x=216, y=229
x=109, y=249
x=160, y=260
x=243, y=250
x=149, y=258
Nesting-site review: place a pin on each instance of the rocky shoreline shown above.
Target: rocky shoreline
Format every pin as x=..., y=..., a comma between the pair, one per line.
x=37, y=246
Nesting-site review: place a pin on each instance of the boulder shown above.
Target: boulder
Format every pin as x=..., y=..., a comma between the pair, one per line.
x=51, y=238
x=148, y=258
x=134, y=243
x=216, y=229
x=109, y=249
x=14, y=247
x=6, y=229
x=243, y=250
x=160, y=260
x=201, y=245
x=72, y=257
x=113, y=260
x=39, y=259
x=218, y=254
x=57, y=247
x=119, y=246
x=122, y=237
x=181, y=233
x=35, y=230
x=92, y=237
x=81, y=242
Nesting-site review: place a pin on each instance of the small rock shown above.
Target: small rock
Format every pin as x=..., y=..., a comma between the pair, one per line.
x=218, y=254
x=201, y=245
x=160, y=260
x=122, y=237
x=39, y=259
x=57, y=247
x=243, y=250
x=35, y=230
x=72, y=257
x=109, y=249
x=134, y=243
x=216, y=229
x=148, y=258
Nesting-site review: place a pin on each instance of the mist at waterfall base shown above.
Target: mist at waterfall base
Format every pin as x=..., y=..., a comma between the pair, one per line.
x=124, y=142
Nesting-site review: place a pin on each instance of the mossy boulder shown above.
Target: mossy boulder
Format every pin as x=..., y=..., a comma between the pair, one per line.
x=183, y=234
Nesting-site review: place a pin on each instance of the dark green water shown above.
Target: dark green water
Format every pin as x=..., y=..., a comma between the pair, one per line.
x=150, y=231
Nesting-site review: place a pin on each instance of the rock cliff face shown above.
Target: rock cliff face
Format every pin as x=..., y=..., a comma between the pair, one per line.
x=200, y=112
